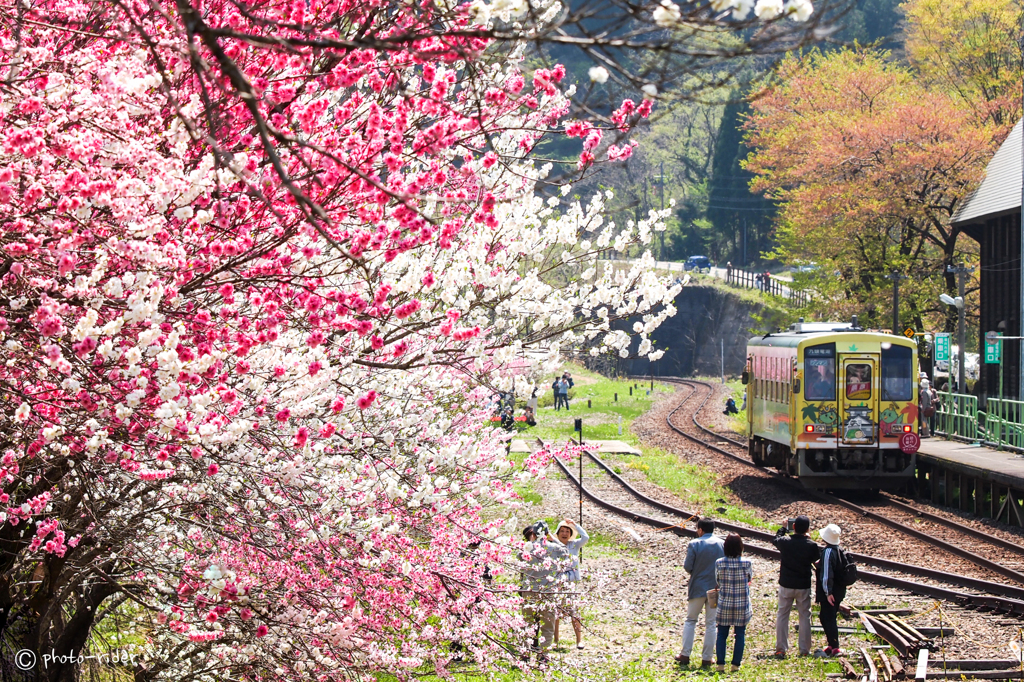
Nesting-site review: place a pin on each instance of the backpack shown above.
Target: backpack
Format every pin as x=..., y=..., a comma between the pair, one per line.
x=847, y=573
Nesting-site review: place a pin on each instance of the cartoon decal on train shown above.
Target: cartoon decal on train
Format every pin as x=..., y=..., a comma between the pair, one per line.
x=834, y=405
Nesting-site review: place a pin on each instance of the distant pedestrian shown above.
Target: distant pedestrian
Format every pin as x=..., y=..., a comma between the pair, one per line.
x=532, y=402
x=798, y=554
x=767, y=282
x=734, y=574
x=935, y=406
x=556, y=386
x=701, y=555
x=573, y=537
x=831, y=587
x=728, y=271
x=925, y=408
x=567, y=383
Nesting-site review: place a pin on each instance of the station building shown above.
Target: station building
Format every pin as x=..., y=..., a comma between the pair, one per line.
x=992, y=217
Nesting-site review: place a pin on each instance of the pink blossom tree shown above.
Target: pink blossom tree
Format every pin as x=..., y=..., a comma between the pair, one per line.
x=260, y=266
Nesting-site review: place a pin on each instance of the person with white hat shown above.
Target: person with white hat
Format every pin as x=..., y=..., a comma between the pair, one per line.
x=924, y=406
x=572, y=535
x=831, y=587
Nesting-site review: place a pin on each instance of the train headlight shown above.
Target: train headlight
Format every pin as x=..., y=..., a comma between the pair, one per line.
x=907, y=428
x=809, y=428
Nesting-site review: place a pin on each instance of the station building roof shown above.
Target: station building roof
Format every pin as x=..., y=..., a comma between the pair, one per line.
x=1000, y=191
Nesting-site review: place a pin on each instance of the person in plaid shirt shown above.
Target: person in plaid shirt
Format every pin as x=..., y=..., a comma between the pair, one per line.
x=734, y=574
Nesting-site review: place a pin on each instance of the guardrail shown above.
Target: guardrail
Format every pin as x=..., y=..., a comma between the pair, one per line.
x=766, y=283
x=1004, y=422
x=957, y=415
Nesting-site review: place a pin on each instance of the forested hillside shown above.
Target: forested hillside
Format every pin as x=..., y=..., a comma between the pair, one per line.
x=691, y=152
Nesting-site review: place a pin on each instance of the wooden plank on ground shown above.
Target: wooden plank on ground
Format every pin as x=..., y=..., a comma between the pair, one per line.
x=897, y=667
x=848, y=670
x=903, y=624
x=869, y=661
x=888, y=673
x=922, y=665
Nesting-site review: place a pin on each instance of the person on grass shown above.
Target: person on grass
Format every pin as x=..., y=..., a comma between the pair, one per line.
x=734, y=574
x=798, y=554
x=573, y=537
x=542, y=555
x=701, y=555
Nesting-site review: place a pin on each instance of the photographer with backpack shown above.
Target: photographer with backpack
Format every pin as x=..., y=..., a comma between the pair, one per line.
x=835, y=574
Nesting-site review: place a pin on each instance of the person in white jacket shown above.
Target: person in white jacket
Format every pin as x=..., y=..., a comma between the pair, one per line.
x=573, y=537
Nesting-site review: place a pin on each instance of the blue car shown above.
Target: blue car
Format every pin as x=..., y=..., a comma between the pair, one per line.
x=698, y=263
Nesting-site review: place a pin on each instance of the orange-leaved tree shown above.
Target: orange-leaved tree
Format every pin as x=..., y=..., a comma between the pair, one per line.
x=868, y=166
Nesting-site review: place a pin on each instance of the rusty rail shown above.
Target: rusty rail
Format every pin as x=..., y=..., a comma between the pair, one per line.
x=991, y=602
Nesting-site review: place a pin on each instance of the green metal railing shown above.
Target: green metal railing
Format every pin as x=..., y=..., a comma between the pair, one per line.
x=1004, y=422
x=957, y=415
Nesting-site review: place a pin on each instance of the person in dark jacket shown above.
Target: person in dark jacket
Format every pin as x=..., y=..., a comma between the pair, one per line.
x=831, y=591
x=567, y=383
x=798, y=554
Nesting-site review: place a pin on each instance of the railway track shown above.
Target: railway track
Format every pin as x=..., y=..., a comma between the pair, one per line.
x=907, y=512
x=994, y=596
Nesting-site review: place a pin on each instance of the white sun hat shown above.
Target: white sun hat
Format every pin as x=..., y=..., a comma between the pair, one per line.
x=831, y=533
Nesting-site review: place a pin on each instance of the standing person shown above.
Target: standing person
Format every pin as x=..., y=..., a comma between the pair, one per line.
x=831, y=590
x=701, y=555
x=573, y=537
x=925, y=409
x=734, y=574
x=935, y=406
x=543, y=556
x=532, y=402
x=556, y=386
x=798, y=554
x=567, y=383
x=767, y=282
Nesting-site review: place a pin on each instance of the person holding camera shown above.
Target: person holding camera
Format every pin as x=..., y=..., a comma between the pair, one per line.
x=544, y=557
x=798, y=554
x=701, y=555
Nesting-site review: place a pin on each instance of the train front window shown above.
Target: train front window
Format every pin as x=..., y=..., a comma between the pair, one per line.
x=897, y=373
x=858, y=382
x=820, y=372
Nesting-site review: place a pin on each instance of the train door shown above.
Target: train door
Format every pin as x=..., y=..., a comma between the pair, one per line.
x=858, y=403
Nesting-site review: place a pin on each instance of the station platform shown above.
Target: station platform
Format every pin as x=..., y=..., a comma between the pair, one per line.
x=973, y=478
x=1000, y=466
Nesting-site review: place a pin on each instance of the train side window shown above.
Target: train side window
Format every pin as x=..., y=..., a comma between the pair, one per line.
x=897, y=373
x=820, y=372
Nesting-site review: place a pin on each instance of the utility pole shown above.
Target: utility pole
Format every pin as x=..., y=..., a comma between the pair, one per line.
x=961, y=276
x=896, y=277
x=662, y=185
x=745, y=244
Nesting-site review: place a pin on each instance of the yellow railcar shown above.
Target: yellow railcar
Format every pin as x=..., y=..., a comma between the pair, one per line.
x=834, y=405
